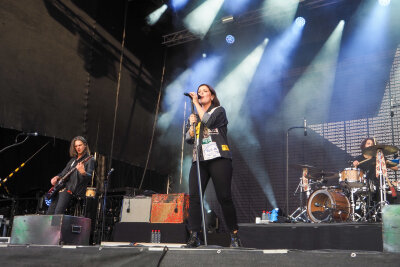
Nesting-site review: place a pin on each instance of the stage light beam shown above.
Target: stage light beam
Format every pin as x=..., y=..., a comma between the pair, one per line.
x=153, y=17
x=200, y=19
x=178, y=4
x=279, y=13
x=310, y=96
x=384, y=2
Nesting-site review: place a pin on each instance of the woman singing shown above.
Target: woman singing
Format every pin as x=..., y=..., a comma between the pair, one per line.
x=79, y=178
x=215, y=162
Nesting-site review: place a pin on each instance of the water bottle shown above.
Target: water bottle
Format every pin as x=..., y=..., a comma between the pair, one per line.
x=274, y=215
x=152, y=236
x=158, y=236
x=268, y=216
x=263, y=216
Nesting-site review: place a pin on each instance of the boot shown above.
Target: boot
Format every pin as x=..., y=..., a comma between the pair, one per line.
x=235, y=240
x=193, y=241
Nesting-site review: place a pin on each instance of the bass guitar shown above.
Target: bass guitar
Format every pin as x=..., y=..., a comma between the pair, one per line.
x=62, y=181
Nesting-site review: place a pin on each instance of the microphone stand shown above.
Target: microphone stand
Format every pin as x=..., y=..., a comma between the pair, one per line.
x=196, y=145
x=287, y=165
x=104, y=203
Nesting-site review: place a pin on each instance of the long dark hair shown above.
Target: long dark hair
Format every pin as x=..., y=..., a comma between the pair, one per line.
x=215, y=101
x=364, y=142
x=72, y=151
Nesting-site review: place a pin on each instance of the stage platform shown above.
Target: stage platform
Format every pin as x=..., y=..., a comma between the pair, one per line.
x=13, y=255
x=313, y=236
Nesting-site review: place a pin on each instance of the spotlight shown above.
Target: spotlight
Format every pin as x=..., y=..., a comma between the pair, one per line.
x=384, y=2
x=300, y=21
x=227, y=19
x=204, y=55
x=230, y=39
x=153, y=17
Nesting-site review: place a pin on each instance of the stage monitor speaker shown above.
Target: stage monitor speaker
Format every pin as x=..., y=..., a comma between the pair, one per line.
x=50, y=230
x=391, y=228
x=136, y=209
x=169, y=208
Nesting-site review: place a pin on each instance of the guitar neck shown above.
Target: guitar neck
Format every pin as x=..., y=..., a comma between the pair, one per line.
x=73, y=169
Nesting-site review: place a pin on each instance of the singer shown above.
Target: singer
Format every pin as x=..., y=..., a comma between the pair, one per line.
x=215, y=162
x=78, y=180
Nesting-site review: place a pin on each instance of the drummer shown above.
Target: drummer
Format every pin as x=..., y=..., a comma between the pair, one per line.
x=368, y=165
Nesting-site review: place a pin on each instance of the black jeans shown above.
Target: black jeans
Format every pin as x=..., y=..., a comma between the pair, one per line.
x=220, y=170
x=59, y=203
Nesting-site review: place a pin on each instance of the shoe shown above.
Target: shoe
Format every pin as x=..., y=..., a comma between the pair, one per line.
x=193, y=241
x=235, y=240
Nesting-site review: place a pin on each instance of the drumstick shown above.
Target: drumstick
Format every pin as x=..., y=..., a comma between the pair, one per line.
x=363, y=161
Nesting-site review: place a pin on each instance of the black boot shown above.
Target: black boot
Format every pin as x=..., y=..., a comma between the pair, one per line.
x=193, y=241
x=235, y=240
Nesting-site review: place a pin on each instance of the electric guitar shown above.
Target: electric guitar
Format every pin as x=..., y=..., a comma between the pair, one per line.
x=62, y=181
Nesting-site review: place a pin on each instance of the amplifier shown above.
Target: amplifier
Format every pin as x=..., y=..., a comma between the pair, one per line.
x=50, y=230
x=136, y=209
x=169, y=208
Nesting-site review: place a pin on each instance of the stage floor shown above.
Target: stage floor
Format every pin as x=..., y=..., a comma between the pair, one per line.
x=313, y=236
x=18, y=255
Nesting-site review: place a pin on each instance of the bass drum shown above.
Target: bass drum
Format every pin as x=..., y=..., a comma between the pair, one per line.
x=328, y=205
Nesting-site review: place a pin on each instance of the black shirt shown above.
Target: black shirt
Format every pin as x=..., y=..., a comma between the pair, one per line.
x=77, y=182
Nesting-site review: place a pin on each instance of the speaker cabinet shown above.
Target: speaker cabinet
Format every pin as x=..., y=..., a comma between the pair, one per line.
x=50, y=230
x=136, y=209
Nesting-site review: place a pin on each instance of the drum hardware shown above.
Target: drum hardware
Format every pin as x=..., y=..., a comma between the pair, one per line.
x=323, y=175
x=300, y=214
x=390, y=164
x=380, y=151
x=353, y=206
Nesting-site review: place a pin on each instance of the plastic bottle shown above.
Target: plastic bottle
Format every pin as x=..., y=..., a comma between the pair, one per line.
x=268, y=216
x=274, y=215
x=263, y=216
x=152, y=238
x=159, y=236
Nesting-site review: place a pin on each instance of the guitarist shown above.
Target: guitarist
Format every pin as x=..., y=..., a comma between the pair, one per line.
x=369, y=167
x=77, y=182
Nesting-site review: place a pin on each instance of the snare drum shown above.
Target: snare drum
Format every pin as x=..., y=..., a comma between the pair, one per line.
x=326, y=205
x=91, y=192
x=352, y=177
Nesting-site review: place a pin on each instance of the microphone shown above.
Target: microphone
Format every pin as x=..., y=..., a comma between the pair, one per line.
x=187, y=94
x=31, y=134
x=305, y=127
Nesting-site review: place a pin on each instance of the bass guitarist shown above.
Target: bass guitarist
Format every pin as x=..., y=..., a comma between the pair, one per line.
x=75, y=184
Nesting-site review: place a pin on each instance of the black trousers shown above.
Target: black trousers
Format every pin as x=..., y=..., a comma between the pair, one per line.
x=220, y=171
x=59, y=203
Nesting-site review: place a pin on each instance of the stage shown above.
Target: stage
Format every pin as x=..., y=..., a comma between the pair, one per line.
x=273, y=244
x=151, y=256
x=313, y=236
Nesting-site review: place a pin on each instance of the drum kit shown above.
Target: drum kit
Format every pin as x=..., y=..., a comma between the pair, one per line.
x=351, y=199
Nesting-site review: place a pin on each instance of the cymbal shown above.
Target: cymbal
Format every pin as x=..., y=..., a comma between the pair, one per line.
x=386, y=149
x=324, y=175
x=303, y=166
x=390, y=164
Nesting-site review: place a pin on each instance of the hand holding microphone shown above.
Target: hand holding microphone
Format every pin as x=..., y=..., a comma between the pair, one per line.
x=195, y=97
